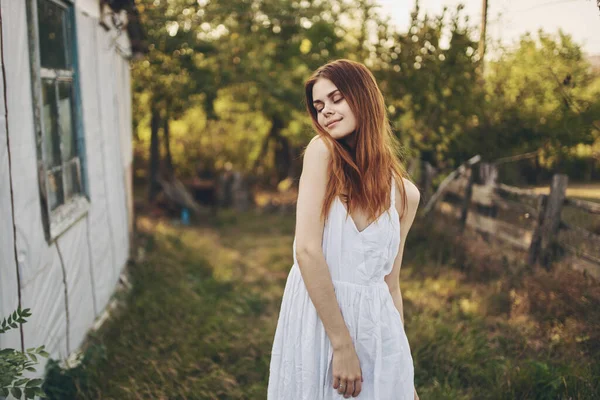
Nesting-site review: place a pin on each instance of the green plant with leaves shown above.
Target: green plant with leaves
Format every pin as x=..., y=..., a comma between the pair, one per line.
x=14, y=362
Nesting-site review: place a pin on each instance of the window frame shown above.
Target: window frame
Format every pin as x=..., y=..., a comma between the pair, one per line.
x=72, y=209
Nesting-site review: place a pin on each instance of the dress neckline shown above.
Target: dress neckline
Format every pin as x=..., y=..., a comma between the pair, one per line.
x=391, y=208
x=352, y=219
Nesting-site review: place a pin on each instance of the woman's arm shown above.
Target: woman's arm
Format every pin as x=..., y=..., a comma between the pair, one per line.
x=309, y=236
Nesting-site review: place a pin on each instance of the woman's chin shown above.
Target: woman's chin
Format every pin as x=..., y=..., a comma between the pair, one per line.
x=340, y=136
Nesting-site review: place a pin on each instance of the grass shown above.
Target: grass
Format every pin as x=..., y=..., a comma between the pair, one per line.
x=200, y=320
x=486, y=326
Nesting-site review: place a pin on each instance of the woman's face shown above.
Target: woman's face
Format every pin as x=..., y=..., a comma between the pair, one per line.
x=333, y=111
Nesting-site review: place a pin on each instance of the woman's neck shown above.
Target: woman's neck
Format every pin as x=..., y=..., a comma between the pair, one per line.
x=350, y=140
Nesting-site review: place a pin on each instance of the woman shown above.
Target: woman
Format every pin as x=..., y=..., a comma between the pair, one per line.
x=340, y=330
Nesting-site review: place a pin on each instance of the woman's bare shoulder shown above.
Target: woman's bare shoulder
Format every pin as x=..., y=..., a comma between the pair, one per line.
x=316, y=151
x=412, y=191
x=313, y=179
x=413, y=196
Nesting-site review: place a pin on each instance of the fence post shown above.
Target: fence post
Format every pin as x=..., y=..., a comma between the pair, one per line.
x=428, y=173
x=551, y=220
x=467, y=199
x=488, y=176
x=534, y=247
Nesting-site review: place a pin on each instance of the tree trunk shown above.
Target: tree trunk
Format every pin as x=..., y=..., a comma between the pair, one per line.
x=263, y=151
x=153, y=186
x=167, y=143
x=274, y=133
x=283, y=158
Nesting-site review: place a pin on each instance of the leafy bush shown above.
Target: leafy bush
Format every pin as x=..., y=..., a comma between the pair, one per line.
x=14, y=362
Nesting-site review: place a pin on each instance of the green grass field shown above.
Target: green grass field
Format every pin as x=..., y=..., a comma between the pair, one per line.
x=200, y=320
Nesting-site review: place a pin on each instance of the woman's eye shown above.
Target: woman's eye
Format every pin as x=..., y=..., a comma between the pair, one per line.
x=334, y=101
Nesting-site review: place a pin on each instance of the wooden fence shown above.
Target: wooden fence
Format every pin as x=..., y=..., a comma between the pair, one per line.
x=529, y=220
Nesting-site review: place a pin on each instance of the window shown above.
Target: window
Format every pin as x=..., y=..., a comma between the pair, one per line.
x=59, y=139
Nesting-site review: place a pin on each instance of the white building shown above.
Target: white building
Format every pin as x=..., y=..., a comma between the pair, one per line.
x=65, y=166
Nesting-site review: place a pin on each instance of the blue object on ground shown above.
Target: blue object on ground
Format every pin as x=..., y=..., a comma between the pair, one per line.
x=185, y=216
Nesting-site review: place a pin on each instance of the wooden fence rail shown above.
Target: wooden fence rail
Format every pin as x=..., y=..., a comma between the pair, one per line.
x=542, y=240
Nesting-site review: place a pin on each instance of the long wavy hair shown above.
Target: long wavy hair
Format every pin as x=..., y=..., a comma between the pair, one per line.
x=364, y=172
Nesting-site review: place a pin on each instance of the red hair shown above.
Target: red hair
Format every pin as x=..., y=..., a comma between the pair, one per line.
x=365, y=171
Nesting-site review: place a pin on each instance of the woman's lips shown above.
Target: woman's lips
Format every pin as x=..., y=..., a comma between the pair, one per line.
x=333, y=123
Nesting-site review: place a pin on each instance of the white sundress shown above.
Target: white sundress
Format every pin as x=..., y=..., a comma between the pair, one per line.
x=301, y=356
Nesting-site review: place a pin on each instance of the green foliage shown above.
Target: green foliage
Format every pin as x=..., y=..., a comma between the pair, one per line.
x=432, y=92
x=542, y=95
x=240, y=67
x=197, y=142
x=74, y=382
x=17, y=316
x=13, y=363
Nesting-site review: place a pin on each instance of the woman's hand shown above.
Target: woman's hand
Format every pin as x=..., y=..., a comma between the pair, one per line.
x=347, y=375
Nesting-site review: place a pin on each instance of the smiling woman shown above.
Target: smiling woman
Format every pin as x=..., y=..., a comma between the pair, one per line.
x=341, y=327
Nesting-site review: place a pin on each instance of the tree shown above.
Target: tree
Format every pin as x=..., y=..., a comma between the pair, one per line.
x=542, y=95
